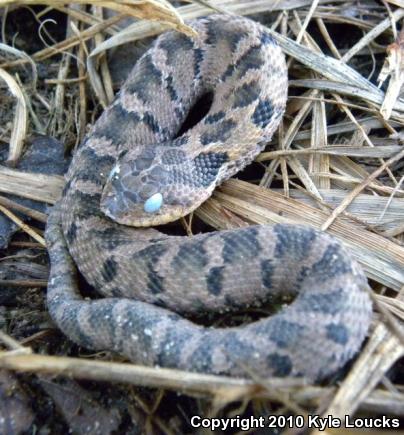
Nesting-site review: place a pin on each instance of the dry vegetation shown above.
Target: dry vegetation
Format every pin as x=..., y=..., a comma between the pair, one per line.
x=336, y=163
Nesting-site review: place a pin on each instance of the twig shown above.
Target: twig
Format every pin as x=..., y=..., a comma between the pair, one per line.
x=22, y=225
x=358, y=189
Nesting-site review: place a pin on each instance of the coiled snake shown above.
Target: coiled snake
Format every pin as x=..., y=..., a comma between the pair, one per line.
x=134, y=169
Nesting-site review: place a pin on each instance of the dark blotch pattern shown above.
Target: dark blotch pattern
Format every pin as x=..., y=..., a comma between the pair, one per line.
x=191, y=255
x=106, y=313
x=156, y=282
x=170, y=355
x=150, y=256
x=176, y=43
x=112, y=129
x=252, y=59
x=333, y=263
x=214, y=117
x=92, y=175
x=115, y=292
x=231, y=36
x=219, y=132
x=293, y=239
x=144, y=340
x=263, y=113
x=171, y=90
x=202, y=173
x=266, y=38
x=214, y=280
x=201, y=358
x=89, y=155
x=234, y=347
x=87, y=204
x=144, y=161
x=198, y=59
x=303, y=273
x=173, y=157
x=207, y=166
x=284, y=333
x=150, y=120
x=338, y=333
x=71, y=233
x=239, y=247
x=229, y=72
x=267, y=271
x=109, y=269
x=147, y=79
x=246, y=94
x=281, y=364
x=74, y=324
x=329, y=303
x=153, y=252
x=110, y=237
x=180, y=141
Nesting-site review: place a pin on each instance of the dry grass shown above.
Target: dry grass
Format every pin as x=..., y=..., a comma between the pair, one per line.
x=328, y=169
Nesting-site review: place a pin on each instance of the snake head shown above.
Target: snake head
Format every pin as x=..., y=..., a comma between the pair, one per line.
x=140, y=191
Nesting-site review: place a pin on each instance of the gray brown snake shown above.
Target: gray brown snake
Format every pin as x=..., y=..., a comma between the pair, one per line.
x=133, y=169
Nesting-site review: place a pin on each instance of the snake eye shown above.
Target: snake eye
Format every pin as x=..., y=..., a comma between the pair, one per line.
x=154, y=203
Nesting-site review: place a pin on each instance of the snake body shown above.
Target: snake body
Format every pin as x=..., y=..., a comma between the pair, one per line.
x=148, y=279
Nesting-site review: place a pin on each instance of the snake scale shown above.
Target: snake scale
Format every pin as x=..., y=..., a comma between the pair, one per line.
x=135, y=170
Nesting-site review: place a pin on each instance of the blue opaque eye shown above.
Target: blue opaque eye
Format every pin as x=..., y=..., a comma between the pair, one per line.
x=154, y=203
